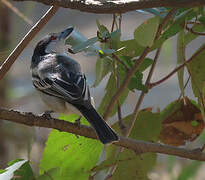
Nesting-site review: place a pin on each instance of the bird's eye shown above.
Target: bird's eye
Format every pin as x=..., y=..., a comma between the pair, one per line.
x=53, y=38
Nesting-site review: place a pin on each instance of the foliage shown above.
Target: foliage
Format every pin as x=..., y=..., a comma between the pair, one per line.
x=67, y=156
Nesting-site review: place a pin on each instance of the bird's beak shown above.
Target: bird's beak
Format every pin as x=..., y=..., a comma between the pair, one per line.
x=64, y=34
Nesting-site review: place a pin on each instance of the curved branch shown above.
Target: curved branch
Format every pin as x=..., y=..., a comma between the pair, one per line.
x=30, y=119
x=118, y=6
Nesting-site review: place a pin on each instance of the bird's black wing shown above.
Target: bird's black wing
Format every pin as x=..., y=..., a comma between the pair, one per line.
x=64, y=84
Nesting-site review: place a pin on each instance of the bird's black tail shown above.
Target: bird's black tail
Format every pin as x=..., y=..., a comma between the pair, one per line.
x=104, y=131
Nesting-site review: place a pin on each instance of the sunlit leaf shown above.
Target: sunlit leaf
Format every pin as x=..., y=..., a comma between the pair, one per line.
x=145, y=33
x=74, y=156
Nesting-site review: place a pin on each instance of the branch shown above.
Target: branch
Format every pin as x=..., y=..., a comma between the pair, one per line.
x=131, y=72
x=24, y=42
x=118, y=6
x=30, y=119
x=151, y=85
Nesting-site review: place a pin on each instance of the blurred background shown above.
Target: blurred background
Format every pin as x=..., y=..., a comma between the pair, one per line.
x=17, y=92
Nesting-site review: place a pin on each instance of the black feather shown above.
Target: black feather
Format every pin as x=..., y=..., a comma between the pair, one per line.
x=103, y=130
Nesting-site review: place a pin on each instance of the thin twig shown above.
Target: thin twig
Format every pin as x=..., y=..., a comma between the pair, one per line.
x=185, y=86
x=27, y=38
x=30, y=119
x=113, y=23
x=151, y=85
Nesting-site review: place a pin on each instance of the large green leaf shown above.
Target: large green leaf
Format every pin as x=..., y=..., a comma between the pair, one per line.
x=130, y=165
x=74, y=156
x=145, y=33
x=111, y=89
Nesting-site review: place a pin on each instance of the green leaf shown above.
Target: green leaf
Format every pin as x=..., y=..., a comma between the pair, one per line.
x=146, y=32
x=131, y=48
x=102, y=29
x=74, y=156
x=145, y=64
x=103, y=67
x=111, y=89
x=180, y=59
x=147, y=127
x=84, y=45
x=24, y=172
x=189, y=36
x=197, y=68
x=189, y=171
x=136, y=82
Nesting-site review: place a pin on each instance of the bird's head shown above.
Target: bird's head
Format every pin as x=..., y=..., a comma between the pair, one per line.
x=53, y=43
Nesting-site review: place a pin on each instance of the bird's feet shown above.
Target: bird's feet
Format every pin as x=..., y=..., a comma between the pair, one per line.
x=47, y=114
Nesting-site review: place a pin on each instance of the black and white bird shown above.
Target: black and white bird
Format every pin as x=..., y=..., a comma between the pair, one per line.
x=62, y=85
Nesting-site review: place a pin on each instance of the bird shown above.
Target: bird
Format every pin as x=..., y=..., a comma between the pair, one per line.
x=62, y=85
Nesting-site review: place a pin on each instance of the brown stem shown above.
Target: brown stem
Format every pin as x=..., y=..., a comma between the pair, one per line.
x=30, y=119
x=151, y=85
x=120, y=6
x=165, y=20
x=24, y=42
